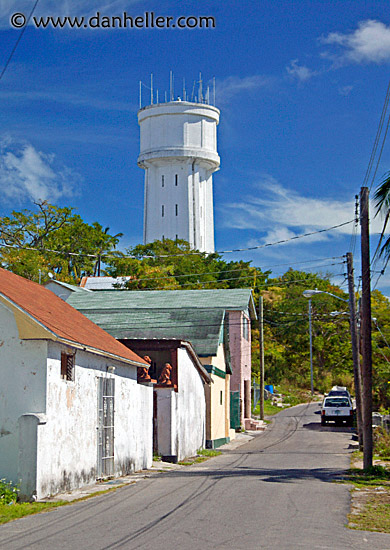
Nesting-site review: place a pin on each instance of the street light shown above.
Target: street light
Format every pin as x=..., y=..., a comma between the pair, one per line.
x=309, y=294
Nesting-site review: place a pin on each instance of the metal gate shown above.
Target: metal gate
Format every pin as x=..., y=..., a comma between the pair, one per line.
x=105, y=458
x=235, y=410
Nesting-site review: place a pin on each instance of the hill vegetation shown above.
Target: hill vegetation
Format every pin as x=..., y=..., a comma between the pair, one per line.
x=56, y=240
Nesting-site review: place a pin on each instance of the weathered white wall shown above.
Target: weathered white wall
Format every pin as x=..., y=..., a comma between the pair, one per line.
x=182, y=414
x=22, y=388
x=67, y=443
x=54, y=420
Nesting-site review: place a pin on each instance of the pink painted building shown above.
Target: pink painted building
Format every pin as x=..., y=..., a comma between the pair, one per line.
x=240, y=354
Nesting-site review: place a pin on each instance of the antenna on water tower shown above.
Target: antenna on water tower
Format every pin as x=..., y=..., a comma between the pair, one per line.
x=140, y=94
x=151, y=88
x=200, y=96
x=214, y=91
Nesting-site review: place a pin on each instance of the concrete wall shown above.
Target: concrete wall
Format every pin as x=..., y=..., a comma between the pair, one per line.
x=240, y=351
x=67, y=443
x=48, y=426
x=22, y=388
x=182, y=414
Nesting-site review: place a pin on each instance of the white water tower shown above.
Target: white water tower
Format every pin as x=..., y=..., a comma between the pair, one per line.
x=179, y=155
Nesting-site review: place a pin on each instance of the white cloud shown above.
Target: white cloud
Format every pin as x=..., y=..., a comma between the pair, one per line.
x=26, y=173
x=300, y=72
x=54, y=8
x=231, y=86
x=369, y=43
x=279, y=213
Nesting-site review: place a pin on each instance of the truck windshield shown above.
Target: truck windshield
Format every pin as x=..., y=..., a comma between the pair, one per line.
x=336, y=402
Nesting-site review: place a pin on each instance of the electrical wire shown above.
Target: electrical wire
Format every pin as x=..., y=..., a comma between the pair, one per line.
x=189, y=253
x=18, y=40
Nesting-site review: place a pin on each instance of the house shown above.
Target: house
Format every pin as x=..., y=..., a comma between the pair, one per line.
x=103, y=282
x=216, y=322
x=71, y=408
x=179, y=407
x=63, y=290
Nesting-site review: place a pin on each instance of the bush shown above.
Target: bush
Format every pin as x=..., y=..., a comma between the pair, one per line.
x=8, y=492
x=382, y=442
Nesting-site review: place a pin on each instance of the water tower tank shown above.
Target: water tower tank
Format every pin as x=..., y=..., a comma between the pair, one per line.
x=179, y=155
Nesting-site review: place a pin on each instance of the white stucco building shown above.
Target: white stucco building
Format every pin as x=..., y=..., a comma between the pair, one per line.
x=179, y=155
x=71, y=409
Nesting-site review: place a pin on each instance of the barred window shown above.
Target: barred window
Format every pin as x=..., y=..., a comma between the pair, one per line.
x=67, y=366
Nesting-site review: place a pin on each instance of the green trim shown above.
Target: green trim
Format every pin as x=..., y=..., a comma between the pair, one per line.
x=215, y=443
x=215, y=370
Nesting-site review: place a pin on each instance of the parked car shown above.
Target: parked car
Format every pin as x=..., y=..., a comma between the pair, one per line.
x=337, y=409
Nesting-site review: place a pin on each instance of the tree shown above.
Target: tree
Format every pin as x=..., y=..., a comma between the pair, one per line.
x=382, y=197
x=171, y=264
x=53, y=239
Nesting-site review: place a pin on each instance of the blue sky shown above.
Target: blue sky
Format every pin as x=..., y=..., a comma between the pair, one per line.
x=300, y=86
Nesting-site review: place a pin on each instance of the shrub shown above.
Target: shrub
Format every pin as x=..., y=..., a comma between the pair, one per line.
x=8, y=492
x=382, y=442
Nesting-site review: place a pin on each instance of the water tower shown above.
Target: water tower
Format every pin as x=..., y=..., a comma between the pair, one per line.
x=179, y=155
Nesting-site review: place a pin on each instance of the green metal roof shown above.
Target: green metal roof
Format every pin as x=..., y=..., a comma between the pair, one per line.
x=227, y=299
x=193, y=315
x=203, y=328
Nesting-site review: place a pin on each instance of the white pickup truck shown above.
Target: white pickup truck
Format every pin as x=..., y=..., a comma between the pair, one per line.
x=337, y=409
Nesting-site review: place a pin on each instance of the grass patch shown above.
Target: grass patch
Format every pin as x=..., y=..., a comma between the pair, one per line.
x=9, y=512
x=370, y=497
x=203, y=454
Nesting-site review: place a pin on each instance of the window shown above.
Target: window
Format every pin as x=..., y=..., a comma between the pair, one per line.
x=221, y=398
x=162, y=210
x=162, y=181
x=176, y=209
x=245, y=328
x=176, y=179
x=67, y=366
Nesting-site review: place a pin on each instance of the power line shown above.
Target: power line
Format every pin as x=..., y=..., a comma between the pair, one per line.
x=18, y=40
x=189, y=253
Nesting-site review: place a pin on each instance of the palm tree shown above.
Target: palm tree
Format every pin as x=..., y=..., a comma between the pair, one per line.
x=382, y=198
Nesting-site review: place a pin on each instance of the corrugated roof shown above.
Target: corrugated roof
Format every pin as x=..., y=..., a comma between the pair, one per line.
x=61, y=319
x=73, y=288
x=226, y=299
x=102, y=283
x=201, y=327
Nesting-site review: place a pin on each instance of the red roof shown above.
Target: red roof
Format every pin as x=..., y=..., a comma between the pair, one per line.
x=59, y=317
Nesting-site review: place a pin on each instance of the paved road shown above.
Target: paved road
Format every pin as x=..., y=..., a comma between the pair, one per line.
x=275, y=492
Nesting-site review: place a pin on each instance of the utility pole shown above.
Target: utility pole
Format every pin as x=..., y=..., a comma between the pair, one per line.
x=261, y=345
x=355, y=347
x=366, y=330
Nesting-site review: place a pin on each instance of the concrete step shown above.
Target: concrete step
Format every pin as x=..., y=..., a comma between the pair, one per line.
x=254, y=425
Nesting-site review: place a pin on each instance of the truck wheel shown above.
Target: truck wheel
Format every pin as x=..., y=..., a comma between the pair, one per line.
x=323, y=421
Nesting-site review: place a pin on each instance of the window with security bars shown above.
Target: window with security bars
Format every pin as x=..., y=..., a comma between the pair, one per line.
x=67, y=366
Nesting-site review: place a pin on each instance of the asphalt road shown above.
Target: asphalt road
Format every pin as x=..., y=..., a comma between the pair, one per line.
x=275, y=492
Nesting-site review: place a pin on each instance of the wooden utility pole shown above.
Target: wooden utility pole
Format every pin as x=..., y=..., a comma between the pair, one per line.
x=261, y=345
x=355, y=347
x=366, y=330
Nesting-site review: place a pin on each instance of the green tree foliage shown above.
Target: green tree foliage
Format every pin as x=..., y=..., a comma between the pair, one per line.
x=173, y=265
x=287, y=355
x=380, y=311
x=382, y=197
x=52, y=239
